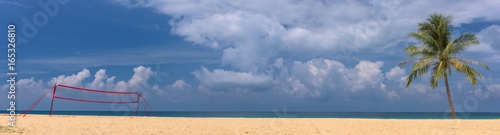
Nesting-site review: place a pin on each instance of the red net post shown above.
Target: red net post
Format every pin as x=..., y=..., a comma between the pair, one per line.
x=52, y=103
x=137, y=103
x=146, y=102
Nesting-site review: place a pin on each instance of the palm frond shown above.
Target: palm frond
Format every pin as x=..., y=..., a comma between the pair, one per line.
x=422, y=63
x=420, y=68
x=470, y=61
x=470, y=73
x=414, y=74
x=407, y=61
x=459, y=44
x=439, y=28
x=426, y=39
x=437, y=72
x=420, y=51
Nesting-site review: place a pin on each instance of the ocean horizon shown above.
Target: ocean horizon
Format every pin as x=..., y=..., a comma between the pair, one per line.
x=263, y=114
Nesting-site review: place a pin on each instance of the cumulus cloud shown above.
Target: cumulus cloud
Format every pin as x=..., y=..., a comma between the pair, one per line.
x=323, y=77
x=180, y=84
x=102, y=81
x=315, y=77
x=489, y=39
x=396, y=76
x=177, y=88
x=137, y=82
x=319, y=78
x=253, y=33
x=140, y=77
x=283, y=41
x=368, y=73
x=489, y=47
x=72, y=80
x=30, y=86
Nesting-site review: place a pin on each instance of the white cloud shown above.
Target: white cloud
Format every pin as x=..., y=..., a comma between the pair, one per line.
x=278, y=63
x=393, y=95
x=489, y=39
x=254, y=33
x=318, y=77
x=425, y=93
x=72, y=80
x=314, y=77
x=20, y=4
x=121, y=86
x=28, y=85
x=141, y=75
x=99, y=78
x=495, y=89
x=130, y=57
x=219, y=79
x=294, y=86
x=102, y=81
x=464, y=11
x=257, y=36
x=180, y=84
x=481, y=94
x=368, y=74
x=420, y=88
x=397, y=74
x=137, y=82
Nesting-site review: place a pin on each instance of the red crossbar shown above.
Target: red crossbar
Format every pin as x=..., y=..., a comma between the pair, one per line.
x=102, y=91
x=94, y=101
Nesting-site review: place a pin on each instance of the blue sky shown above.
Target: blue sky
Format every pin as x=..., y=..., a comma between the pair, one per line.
x=237, y=55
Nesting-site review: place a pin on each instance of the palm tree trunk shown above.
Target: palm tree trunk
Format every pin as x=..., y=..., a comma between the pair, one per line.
x=449, y=96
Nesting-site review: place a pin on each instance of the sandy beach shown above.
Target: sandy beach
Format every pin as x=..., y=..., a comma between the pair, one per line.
x=115, y=125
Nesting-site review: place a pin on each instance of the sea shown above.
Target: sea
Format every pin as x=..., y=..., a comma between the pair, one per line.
x=277, y=114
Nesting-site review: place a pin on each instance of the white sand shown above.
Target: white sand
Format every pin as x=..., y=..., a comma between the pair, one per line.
x=109, y=125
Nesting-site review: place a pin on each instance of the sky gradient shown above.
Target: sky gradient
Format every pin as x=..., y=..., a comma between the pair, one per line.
x=238, y=55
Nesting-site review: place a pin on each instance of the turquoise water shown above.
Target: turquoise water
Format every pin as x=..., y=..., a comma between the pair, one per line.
x=374, y=115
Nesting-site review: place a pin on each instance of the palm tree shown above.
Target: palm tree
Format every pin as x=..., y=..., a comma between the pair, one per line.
x=439, y=51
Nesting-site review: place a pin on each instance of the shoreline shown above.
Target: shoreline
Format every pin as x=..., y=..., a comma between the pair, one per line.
x=75, y=124
x=367, y=118
x=170, y=117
